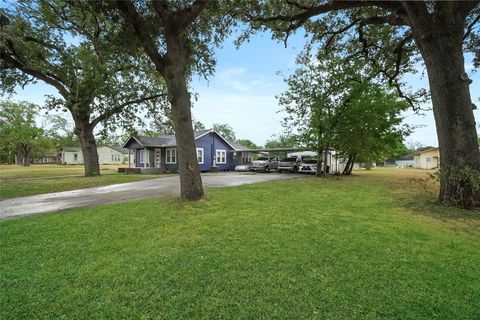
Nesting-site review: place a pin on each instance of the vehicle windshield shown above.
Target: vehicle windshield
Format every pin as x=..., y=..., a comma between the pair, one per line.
x=289, y=159
x=309, y=160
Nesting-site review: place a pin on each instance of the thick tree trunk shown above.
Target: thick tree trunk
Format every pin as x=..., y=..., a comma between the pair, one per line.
x=84, y=132
x=452, y=105
x=191, y=187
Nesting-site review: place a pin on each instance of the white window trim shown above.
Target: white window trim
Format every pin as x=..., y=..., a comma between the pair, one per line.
x=203, y=155
x=146, y=154
x=166, y=155
x=220, y=151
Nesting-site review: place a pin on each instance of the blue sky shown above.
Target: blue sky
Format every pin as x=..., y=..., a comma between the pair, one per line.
x=242, y=91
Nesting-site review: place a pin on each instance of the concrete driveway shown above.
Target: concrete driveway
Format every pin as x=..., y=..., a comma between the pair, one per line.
x=50, y=202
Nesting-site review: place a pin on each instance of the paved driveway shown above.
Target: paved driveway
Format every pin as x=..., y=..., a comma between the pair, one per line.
x=170, y=185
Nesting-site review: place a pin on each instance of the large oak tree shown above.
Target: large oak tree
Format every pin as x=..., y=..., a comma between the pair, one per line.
x=178, y=37
x=71, y=47
x=387, y=34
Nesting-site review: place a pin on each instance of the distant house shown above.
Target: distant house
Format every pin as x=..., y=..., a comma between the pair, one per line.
x=402, y=162
x=71, y=155
x=427, y=159
x=106, y=155
x=114, y=155
x=48, y=157
x=161, y=152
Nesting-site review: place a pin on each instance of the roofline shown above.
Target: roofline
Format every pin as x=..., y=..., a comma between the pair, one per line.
x=214, y=131
x=423, y=151
x=131, y=137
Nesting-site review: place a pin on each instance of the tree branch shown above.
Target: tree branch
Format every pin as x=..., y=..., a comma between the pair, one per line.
x=50, y=79
x=138, y=24
x=118, y=109
x=471, y=26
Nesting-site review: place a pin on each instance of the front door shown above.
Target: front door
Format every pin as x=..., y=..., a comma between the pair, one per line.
x=158, y=158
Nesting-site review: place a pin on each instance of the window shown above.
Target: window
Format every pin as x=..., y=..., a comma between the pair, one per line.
x=429, y=159
x=200, y=155
x=75, y=157
x=221, y=156
x=144, y=156
x=171, y=156
x=115, y=158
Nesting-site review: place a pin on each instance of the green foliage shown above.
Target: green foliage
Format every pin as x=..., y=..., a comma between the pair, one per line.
x=72, y=47
x=18, y=130
x=225, y=130
x=282, y=141
x=332, y=106
x=247, y=143
x=462, y=186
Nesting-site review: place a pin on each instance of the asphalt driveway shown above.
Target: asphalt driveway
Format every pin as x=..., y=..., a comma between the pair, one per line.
x=170, y=185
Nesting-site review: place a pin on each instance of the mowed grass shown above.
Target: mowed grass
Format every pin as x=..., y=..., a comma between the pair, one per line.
x=370, y=246
x=16, y=181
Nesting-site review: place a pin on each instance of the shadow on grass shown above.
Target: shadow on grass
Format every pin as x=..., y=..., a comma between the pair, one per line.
x=426, y=203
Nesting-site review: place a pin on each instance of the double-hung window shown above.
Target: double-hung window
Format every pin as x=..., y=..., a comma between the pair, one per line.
x=200, y=155
x=75, y=157
x=171, y=156
x=221, y=156
x=144, y=156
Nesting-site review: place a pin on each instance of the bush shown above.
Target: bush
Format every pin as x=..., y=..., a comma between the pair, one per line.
x=460, y=186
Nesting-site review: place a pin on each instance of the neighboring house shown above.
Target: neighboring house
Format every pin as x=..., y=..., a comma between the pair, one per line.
x=161, y=152
x=106, y=155
x=427, y=159
x=402, y=162
x=71, y=155
x=51, y=156
x=114, y=155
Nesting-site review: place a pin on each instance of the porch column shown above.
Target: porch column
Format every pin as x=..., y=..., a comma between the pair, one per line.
x=128, y=158
x=145, y=160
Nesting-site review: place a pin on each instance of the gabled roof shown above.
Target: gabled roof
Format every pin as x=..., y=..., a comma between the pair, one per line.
x=428, y=150
x=166, y=141
x=117, y=148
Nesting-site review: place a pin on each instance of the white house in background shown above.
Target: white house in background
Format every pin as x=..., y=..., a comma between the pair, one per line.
x=71, y=155
x=106, y=155
x=114, y=155
x=427, y=159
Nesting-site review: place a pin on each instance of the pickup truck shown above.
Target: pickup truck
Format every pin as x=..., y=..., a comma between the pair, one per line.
x=288, y=164
x=264, y=164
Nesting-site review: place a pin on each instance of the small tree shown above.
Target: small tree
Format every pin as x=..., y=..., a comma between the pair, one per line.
x=18, y=131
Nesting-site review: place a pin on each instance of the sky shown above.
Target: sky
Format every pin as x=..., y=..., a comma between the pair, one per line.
x=242, y=91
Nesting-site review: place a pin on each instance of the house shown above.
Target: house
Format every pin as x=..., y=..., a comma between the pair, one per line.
x=213, y=151
x=427, y=159
x=48, y=157
x=106, y=155
x=114, y=155
x=402, y=162
x=71, y=155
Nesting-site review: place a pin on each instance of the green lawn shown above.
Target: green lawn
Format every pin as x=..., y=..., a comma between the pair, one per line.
x=16, y=181
x=370, y=246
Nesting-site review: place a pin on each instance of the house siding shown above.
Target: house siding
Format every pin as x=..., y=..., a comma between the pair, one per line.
x=209, y=142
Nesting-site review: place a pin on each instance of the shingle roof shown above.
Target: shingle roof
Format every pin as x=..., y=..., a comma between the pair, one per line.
x=119, y=149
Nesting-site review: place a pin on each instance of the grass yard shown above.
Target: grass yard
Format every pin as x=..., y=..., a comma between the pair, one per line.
x=17, y=181
x=370, y=246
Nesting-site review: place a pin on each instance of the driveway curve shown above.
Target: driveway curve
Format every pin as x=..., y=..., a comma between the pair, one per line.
x=170, y=185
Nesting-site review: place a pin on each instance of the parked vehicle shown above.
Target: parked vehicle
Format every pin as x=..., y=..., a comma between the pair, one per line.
x=264, y=164
x=242, y=168
x=289, y=164
x=308, y=165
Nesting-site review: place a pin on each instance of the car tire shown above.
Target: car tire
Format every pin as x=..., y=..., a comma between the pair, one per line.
x=267, y=169
x=295, y=169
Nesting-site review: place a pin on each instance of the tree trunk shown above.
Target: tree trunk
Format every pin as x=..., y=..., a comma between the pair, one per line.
x=84, y=132
x=452, y=105
x=191, y=187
